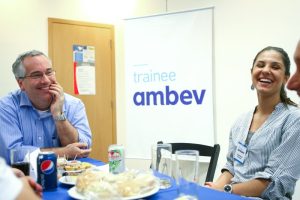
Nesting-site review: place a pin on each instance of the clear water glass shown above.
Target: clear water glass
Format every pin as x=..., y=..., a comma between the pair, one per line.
x=187, y=176
x=161, y=162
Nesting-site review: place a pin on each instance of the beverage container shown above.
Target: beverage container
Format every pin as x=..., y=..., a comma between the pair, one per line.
x=47, y=171
x=161, y=161
x=116, y=158
x=17, y=159
x=187, y=176
x=23, y=166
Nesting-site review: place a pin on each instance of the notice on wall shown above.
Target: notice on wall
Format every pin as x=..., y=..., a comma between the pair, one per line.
x=169, y=80
x=84, y=70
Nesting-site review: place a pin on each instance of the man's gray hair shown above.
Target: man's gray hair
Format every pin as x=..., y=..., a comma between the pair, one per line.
x=18, y=67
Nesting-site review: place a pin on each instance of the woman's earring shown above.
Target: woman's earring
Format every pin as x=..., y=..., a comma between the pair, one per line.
x=252, y=87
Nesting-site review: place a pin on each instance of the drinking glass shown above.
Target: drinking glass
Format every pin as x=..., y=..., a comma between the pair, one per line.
x=161, y=162
x=17, y=159
x=187, y=163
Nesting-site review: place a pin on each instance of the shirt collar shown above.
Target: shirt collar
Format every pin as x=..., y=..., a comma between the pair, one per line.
x=280, y=106
x=24, y=100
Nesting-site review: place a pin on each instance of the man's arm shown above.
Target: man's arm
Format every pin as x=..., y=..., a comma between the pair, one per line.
x=66, y=132
x=73, y=150
x=10, y=128
x=76, y=128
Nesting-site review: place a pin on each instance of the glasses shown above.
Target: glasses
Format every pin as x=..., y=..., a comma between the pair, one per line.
x=39, y=75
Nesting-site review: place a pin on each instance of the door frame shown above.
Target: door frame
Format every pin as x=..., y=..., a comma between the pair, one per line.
x=112, y=45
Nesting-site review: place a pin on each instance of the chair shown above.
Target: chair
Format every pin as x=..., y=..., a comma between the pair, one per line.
x=204, y=150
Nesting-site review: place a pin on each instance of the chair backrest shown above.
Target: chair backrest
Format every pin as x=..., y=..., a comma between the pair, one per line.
x=204, y=150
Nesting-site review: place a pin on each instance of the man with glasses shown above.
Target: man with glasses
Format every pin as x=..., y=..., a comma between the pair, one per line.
x=39, y=114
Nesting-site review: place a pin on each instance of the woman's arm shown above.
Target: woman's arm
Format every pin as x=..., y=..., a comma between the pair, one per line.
x=252, y=188
x=224, y=178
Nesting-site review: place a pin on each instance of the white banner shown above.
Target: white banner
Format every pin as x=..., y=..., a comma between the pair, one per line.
x=169, y=80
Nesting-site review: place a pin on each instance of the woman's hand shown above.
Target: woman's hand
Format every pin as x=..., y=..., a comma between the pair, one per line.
x=213, y=185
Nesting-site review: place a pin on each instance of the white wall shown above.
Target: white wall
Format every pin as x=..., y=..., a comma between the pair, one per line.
x=241, y=29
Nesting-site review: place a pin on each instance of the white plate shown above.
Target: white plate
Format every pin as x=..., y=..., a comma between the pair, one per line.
x=74, y=194
x=64, y=181
x=104, y=168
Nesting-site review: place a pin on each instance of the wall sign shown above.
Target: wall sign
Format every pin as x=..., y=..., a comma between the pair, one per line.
x=84, y=70
x=169, y=80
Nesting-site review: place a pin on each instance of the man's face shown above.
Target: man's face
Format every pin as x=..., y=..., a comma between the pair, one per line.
x=39, y=76
x=294, y=81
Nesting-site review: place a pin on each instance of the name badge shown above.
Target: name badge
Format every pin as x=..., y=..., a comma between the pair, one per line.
x=240, y=153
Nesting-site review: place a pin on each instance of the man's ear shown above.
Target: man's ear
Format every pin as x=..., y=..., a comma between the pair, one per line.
x=21, y=84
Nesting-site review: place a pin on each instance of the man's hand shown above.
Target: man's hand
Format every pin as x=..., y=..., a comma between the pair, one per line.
x=77, y=150
x=73, y=150
x=57, y=103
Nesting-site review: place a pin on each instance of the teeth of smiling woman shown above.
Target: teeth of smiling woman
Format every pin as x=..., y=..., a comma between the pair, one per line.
x=265, y=80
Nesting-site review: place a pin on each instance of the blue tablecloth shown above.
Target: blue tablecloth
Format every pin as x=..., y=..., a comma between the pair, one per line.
x=61, y=193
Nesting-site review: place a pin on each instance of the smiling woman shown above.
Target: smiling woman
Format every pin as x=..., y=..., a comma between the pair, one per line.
x=270, y=72
x=260, y=138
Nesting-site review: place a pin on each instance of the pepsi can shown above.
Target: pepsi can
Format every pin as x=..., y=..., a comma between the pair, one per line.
x=47, y=171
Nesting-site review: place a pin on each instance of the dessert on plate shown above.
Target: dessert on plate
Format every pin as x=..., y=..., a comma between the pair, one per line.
x=106, y=185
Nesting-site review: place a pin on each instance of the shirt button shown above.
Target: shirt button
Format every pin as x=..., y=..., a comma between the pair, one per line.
x=40, y=137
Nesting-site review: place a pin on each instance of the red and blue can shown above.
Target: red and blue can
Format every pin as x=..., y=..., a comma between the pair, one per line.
x=47, y=171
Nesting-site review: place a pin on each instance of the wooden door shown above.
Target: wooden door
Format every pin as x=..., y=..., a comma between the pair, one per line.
x=63, y=34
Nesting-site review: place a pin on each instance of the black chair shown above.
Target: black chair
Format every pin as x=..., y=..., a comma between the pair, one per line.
x=204, y=150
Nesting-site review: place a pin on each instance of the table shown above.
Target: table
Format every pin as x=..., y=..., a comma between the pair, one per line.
x=61, y=193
